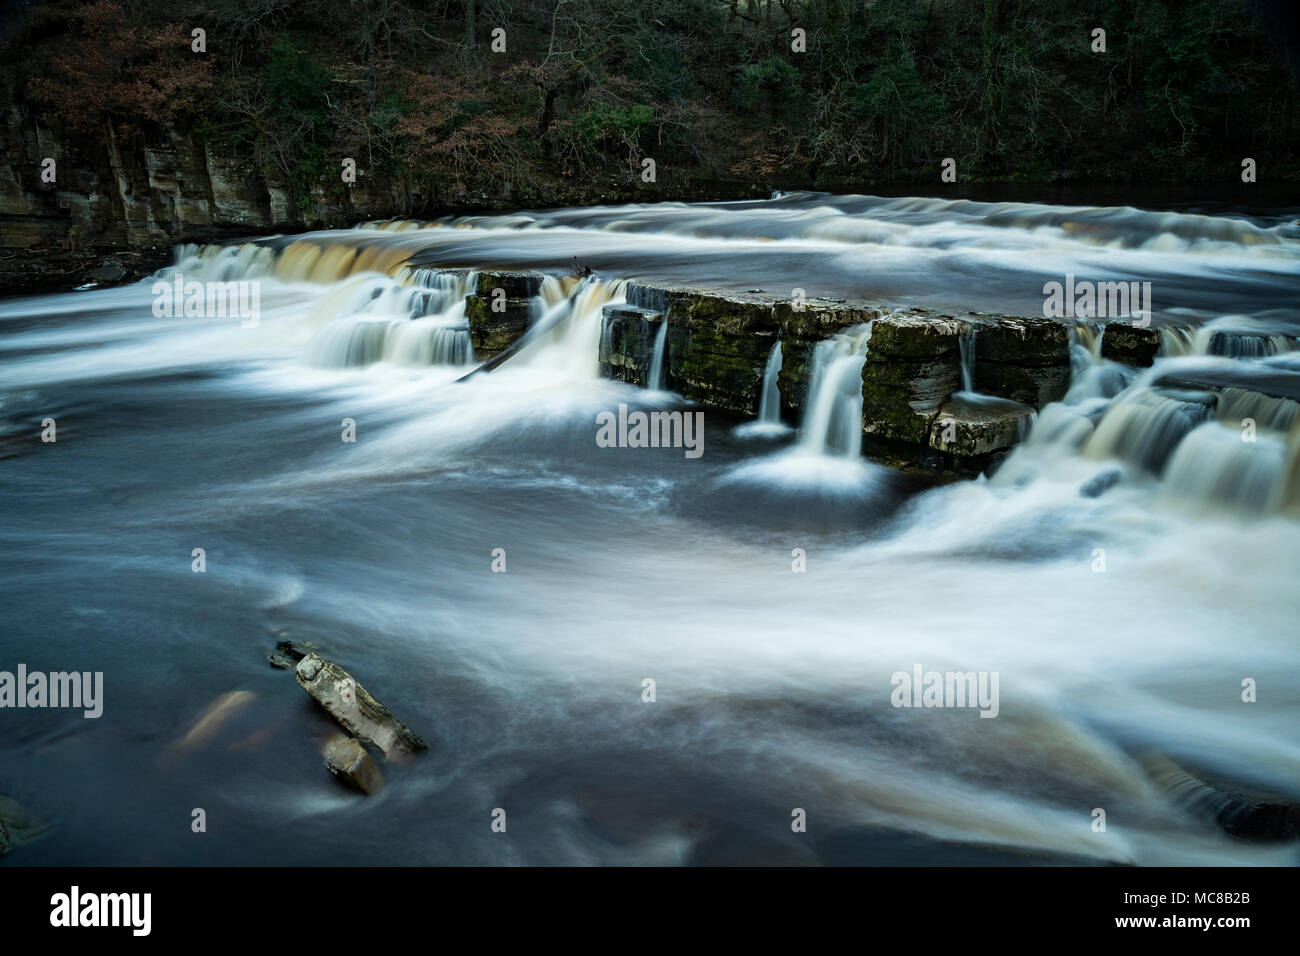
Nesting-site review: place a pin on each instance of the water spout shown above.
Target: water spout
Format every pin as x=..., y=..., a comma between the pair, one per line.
x=833, y=423
x=769, y=410
x=654, y=380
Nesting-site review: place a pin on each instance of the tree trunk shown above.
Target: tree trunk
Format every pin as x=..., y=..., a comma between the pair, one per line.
x=548, y=110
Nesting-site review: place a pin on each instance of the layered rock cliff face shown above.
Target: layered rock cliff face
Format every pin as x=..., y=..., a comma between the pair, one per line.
x=915, y=413
x=119, y=206
x=717, y=341
x=130, y=201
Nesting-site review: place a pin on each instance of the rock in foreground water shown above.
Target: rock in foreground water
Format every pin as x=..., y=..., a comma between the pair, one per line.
x=354, y=708
x=1237, y=814
x=18, y=825
x=347, y=759
x=287, y=654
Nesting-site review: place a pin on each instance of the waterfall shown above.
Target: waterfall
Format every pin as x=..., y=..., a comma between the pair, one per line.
x=1061, y=426
x=968, y=395
x=551, y=293
x=1236, y=337
x=1145, y=425
x=1214, y=466
x=769, y=411
x=966, y=346
x=300, y=261
x=566, y=337
x=768, y=424
x=428, y=341
x=654, y=380
x=1246, y=344
x=1086, y=336
x=1176, y=340
x=1092, y=376
x=832, y=424
x=223, y=263
x=419, y=324
x=1275, y=414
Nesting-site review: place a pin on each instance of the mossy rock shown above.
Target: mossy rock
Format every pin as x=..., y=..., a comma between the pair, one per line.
x=970, y=429
x=517, y=285
x=918, y=336
x=493, y=332
x=627, y=343
x=1029, y=385
x=1126, y=343
x=1025, y=342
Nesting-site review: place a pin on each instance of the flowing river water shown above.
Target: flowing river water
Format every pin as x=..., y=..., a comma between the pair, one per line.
x=772, y=688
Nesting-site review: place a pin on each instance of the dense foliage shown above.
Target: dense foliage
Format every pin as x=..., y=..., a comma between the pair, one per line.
x=1011, y=89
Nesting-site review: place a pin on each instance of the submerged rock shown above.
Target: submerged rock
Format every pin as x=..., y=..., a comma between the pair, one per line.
x=348, y=760
x=1099, y=484
x=215, y=716
x=354, y=708
x=18, y=825
x=287, y=654
x=1238, y=814
x=110, y=271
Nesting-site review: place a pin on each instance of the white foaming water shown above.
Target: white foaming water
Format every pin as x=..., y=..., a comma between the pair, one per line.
x=1213, y=466
x=654, y=380
x=966, y=346
x=390, y=327
x=769, y=411
x=768, y=424
x=832, y=424
x=1092, y=376
x=1144, y=426
x=567, y=339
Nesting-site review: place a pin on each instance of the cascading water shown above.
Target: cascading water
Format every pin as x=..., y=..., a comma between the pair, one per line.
x=1212, y=466
x=1238, y=405
x=832, y=424
x=966, y=347
x=654, y=380
x=1145, y=426
x=1225, y=448
x=566, y=337
x=971, y=403
x=768, y=424
x=1091, y=376
x=769, y=411
x=415, y=325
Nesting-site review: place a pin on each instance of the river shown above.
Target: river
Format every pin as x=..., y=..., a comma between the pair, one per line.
x=772, y=688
